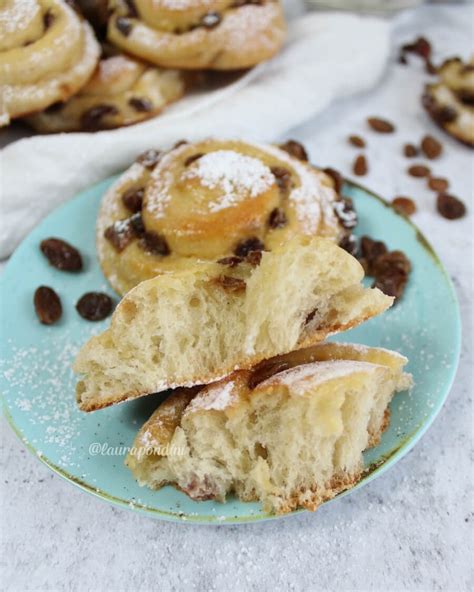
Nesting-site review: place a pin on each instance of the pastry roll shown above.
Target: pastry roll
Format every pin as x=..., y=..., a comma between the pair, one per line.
x=47, y=53
x=289, y=433
x=199, y=324
x=198, y=34
x=211, y=200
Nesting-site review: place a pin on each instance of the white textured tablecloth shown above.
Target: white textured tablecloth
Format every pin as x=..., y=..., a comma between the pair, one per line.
x=410, y=530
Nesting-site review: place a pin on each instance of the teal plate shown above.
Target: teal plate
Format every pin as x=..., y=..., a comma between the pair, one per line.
x=89, y=449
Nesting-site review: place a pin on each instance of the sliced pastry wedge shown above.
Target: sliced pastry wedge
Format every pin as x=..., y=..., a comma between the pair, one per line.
x=289, y=433
x=198, y=325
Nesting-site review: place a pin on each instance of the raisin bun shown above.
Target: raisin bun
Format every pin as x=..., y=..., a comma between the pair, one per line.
x=198, y=34
x=450, y=101
x=47, y=53
x=121, y=92
x=198, y=325
x=289, y=434
x=211, y=200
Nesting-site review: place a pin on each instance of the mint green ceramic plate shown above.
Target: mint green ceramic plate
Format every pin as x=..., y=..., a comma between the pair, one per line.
x=88, y=449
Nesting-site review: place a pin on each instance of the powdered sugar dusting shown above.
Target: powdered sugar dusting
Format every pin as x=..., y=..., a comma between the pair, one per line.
x=217, y=397
x=237, y=176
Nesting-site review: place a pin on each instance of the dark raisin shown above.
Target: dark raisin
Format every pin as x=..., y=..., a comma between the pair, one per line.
x=418, y=170
x=360, y=166
x=136, y=224
x=356, y=141
x=277, y=218
x=450, y=207
x=132, y=199
x=254, y=258
x=230, y=261
x=155, y=244
x=120, y=234
x=295, y=149
x=392, y=285
x=438, y=184
x=141, y=104
x=410, y=150
x=282, y=177
x=404, y=205
x=231, y=284
x=251, y=244
x=61, y=254
x=124, y=25
x=431, y=147
x=337, y=178
x=193, y=158
x=94, y=306
x=211, y=20
x=345, y=212
x=391, y=262
x=47, y=305
x=382, y=126
x=266, y=370
x=149, y=158
x=349, y=244
x=48, y=19
x=370, y=250
x=310, y=316
x=92, y=119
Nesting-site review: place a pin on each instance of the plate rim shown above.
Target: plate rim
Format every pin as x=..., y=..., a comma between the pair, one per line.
x=391, y=458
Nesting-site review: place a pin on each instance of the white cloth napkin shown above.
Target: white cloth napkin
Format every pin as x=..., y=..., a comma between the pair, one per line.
x=327, y=57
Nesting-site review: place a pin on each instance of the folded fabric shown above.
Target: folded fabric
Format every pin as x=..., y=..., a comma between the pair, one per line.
x=327, y=57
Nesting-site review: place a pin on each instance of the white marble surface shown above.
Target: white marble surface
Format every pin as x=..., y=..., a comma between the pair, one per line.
x=411, y=529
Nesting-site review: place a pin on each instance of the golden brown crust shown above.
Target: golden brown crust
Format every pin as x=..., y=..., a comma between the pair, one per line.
x=183, y=204
x=122, y=91
x=47, y=58
x=215, y=34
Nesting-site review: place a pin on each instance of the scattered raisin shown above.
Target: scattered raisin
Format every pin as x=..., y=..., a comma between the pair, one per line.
x=231, y=284
x=149, y=158
x=277, y=218
x=410, y=150
x=390, y=262
x=382, y=126
x=295, y=149
x=230, y=261
x=132, y=199
x=92, y=119
x=120, y=234
x=282, y=177
x=392, y=285
x=141, y=104
x=360, y=166
x=124, y=25
x=450, y=207
x=349, y=244
x=337, y=178
x=61, y=254
x=211, y=20
x=94, y=306
x=357, y=141
x=370, y=250
x=193, y=158
x=155, y=244
x=345, y=212
x=404, y=205
x=438, y=184
x=47, y=305
x=431, y=147
x=251, y=244
x=418, y=170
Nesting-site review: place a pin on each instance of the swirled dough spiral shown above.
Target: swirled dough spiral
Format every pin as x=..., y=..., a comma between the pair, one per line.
x=47, y=53
x=121, y=92
x=209, y=200
x=216, y=34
